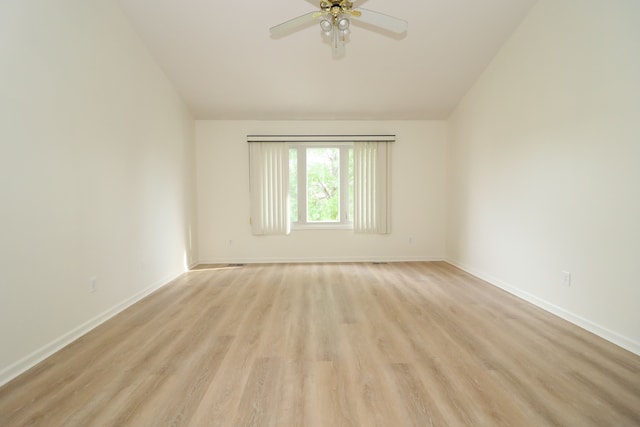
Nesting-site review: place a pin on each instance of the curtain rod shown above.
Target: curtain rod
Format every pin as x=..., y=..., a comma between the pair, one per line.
x=321, y=138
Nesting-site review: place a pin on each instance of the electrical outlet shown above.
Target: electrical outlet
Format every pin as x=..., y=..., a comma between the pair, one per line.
x=93, y=285
x=566, y=278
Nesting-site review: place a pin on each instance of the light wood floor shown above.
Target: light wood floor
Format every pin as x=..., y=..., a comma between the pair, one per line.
x=329, y=345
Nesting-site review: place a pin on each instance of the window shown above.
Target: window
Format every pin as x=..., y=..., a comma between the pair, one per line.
x=321, y=185
x=319, y=181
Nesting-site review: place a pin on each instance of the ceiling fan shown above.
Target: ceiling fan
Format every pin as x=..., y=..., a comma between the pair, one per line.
x=335, y=20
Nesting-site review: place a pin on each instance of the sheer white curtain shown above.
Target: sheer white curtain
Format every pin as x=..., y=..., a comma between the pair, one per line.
x=269, y=166
x=371, y=187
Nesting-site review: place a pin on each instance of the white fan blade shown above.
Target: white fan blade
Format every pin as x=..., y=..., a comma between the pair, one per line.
x=383, y=21
x=293, y=24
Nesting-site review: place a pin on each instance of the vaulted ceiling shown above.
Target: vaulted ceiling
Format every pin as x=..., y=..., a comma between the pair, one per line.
x=224, y=63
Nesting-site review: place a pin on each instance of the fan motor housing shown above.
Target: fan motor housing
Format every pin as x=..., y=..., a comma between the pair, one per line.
x=336, y=7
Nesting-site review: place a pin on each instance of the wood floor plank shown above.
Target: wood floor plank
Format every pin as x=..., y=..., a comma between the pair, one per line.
x=353, y=344
x=334, y=394
x=296, y=403
x=419, y=408
x=259, y=394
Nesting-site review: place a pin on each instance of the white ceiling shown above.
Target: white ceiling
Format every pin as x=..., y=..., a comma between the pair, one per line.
x=224, y=63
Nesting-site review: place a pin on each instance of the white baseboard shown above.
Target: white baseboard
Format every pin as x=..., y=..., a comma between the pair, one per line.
x=302, y=260
x=29, y=361
x=609, y=335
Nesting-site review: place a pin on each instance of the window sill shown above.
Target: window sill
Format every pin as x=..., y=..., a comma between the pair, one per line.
x=321, y=226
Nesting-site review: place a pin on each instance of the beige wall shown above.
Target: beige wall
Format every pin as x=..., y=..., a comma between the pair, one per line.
x=544, y=157
x=418, y=175
x=96, y=174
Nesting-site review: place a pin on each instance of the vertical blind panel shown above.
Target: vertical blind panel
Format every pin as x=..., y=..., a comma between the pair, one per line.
x=269, y=188
x=371, y=186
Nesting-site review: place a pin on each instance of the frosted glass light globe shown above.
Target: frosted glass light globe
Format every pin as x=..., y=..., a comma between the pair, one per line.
x=326, y=25
x=343, y=24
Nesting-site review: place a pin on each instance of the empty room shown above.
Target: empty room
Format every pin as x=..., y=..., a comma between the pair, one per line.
x=320, y=213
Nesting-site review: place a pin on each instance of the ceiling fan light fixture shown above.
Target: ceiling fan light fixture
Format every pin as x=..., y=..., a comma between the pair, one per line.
x=335, y=22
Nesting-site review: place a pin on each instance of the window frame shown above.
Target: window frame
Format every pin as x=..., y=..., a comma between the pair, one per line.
x=346, y=217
